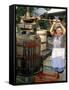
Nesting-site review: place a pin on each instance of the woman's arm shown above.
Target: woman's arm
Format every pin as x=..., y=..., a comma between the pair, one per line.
x=63, y=28
x=51, y=29
x=60, y=24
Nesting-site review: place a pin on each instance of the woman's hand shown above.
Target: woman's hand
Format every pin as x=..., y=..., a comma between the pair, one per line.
x=54, y=21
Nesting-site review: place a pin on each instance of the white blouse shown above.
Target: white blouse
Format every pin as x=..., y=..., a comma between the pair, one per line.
x=57, y=42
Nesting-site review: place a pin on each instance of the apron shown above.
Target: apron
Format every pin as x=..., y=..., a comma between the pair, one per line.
x=58, y=58
x=58, y=53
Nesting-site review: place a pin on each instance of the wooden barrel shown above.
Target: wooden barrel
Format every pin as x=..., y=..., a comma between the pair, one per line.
x=43, y=36
x=28, y=54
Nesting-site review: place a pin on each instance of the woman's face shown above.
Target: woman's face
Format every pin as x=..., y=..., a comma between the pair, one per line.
x=58, y=31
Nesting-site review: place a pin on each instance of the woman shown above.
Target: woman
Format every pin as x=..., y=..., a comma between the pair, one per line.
x=58, y=51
